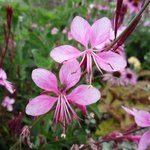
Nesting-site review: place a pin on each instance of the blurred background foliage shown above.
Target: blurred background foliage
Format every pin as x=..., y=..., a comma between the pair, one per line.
x=31, y=26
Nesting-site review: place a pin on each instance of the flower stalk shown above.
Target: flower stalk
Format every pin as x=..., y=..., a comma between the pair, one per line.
x=134, y=21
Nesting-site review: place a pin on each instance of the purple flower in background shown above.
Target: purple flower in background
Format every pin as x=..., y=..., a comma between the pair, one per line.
x=142, y=119
x=69, y=36
x=64, y=31
x=8, y=102
x=114, y=77
x=69, y=75
x=133, y=5
x=101, y=7
x=123, y=77
x=129, y=77
x=54, y=31
x=94, y=35
x=106, y=43
x=4, y=82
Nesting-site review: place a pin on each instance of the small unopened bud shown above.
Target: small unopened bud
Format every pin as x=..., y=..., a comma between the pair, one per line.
x=92, y=115
x=25, y=135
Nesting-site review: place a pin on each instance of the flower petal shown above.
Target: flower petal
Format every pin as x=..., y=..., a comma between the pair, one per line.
x=64, y=52
x=142, y=118
x=9, y=108
x=8, y=85
x=80, y=30
x=110, y=61
x=3, y=74
x=45, y=79
x=144, y=141
x=130, y=111
x=82, y=108
x=100, y=31
x=84, y=95
x=40, y=105
x=70, y=73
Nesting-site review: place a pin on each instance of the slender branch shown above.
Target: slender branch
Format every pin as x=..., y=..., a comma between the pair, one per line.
x=108, y=139
x=129, y=26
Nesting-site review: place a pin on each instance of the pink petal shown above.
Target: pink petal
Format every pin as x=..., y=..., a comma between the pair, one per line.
x=3, y=74
x=80, y=29
x=9, y=108
x=64, y=52
x=82, y=108
x=130, y=111
x=144, y=141
x=100, y=31
x=8, y=85
x=142, y=118
x=84, y=95
x=40, y=105
x=110, y=61
x=70, y=73
x=12, y=101
x=45, y=79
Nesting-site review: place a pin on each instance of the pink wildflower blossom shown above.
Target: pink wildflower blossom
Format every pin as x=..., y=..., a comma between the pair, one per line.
x=133, y=5
x=120, y=49
x=54, y=31
x=101, y=7
x=123, y=77
x=70, y=36
x=69, y=75
x=4, y=82
x=95, y=35
x=25, y=135
x=147, y=23
x=7, y=103
x=34, y=26
x=64, y=31
x=142, y=119
x=129, y=77
x=114, y=77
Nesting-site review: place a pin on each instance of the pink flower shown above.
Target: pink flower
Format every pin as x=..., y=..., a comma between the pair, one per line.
x=25, y=135
x=64, y=31
x=34, y=26
x=101, y=7
x=3, y=81
x=133, y=5
x=54, y=31
x=7, y=103
x=129, y=77
x=70, y=36
x=142, y=119
x=147, y=23
x=123, y=77
x=94, y=35
x=120, y=49
x=69, y=75
x=114, y=77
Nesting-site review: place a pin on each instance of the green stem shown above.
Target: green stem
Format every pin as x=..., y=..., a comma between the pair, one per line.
x=36, y=121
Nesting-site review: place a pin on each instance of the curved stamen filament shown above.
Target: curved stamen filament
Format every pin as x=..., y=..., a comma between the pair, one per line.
x=64, y=112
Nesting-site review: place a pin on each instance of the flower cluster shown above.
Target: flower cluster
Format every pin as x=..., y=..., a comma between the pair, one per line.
x=94, y=39
x=123, y=77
